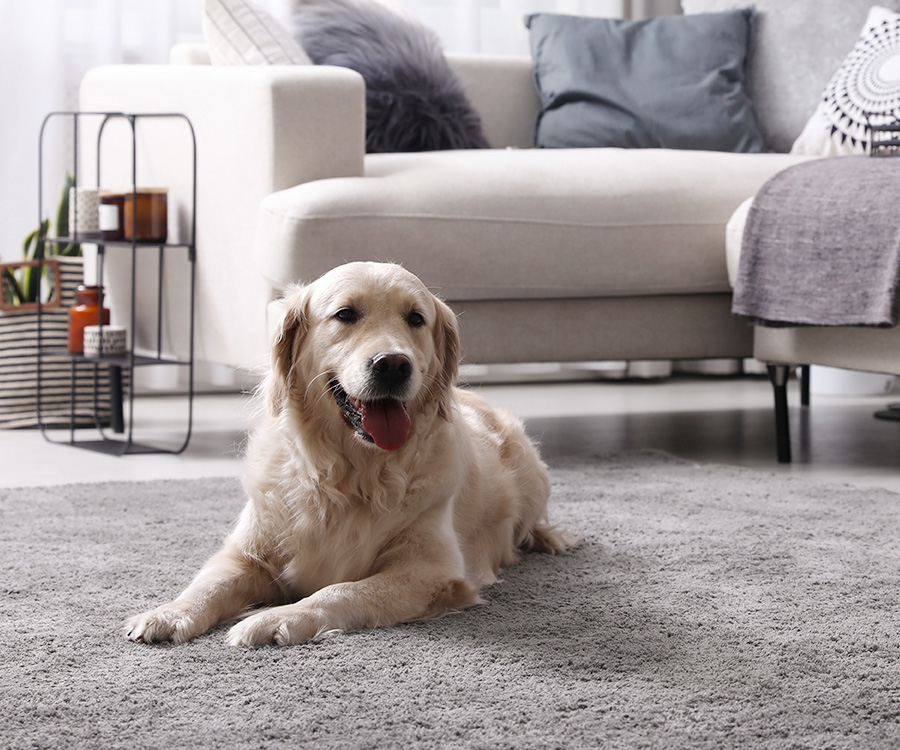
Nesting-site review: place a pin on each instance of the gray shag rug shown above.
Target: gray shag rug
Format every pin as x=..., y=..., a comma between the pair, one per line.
x=707, y=607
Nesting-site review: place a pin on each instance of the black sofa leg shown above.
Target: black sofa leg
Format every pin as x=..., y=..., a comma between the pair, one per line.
x=779, y=374
x=804, y=385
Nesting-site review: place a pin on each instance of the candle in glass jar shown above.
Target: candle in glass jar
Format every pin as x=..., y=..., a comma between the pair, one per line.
x=151, y=223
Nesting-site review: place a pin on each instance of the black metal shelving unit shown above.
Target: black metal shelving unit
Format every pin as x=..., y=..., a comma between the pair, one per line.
x=118, y=364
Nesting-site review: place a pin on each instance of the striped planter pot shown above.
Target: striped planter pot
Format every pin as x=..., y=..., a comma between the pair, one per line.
x=19, y=366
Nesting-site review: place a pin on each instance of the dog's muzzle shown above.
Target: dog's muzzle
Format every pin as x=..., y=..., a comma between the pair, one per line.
x=382, y=419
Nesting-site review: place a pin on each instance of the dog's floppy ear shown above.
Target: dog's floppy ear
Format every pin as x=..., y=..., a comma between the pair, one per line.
x=288, y=342
x=446, y=344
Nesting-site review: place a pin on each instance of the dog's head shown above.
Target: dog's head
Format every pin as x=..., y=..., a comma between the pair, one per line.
x=369, y=346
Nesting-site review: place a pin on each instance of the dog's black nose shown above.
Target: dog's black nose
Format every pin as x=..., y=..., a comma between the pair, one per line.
x=391, y=369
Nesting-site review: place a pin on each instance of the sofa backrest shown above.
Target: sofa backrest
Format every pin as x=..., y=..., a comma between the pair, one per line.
x=503, y=92
x=797, y=46
x=501, y=88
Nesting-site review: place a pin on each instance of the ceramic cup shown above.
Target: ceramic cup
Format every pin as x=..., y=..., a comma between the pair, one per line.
x=114, y=340
x=84, y=211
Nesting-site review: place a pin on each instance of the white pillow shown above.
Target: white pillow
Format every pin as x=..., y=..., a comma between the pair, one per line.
x=868, y=81
x=238, y=32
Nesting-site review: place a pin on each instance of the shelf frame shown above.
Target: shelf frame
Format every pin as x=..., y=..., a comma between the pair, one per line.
x=117, y=364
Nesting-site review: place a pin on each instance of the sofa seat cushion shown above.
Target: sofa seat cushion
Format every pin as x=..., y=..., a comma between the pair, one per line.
x=522, y=223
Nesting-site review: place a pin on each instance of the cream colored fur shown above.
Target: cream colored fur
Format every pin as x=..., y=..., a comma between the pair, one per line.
x=338, y=534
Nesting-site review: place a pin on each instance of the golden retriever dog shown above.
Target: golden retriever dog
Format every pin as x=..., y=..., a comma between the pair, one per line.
x=378, y=492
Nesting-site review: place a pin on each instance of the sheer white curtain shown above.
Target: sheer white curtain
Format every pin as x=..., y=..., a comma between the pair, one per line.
x=45, y=49
x=495, y=26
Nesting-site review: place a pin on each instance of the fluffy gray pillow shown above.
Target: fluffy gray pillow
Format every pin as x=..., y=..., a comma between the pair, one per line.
x=414, y=100
x=667, y=82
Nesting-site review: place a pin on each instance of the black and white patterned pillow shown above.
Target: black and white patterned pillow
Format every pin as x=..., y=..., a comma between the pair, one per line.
x=240, y=32
x=867, y=83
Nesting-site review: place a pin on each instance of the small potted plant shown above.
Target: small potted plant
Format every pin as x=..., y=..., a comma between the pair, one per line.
x=21, y=281
x=46, y=277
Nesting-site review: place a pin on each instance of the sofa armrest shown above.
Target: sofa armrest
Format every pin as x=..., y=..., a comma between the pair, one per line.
x=258, y=130
x=288, y=124
x=503, y=92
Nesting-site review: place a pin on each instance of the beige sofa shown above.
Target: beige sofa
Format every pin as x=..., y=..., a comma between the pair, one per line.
x=546, y=255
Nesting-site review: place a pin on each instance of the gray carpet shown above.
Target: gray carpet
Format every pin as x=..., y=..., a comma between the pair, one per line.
x=708, y=607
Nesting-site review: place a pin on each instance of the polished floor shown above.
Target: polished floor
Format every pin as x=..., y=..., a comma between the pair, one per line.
x=703, y=419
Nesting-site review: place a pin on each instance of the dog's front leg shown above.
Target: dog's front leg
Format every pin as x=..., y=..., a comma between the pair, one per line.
x=395, y=595
x=224, y=588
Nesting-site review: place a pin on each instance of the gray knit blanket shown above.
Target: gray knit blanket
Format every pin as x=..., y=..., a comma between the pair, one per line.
x=821, y=245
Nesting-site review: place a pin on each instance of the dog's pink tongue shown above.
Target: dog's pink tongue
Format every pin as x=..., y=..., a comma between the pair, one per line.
x=387, y=422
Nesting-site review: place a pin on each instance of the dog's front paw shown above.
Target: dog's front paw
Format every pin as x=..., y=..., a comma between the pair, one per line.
x=279, y=626
x=170, y=622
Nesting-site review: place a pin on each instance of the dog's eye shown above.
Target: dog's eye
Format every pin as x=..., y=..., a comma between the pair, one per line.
x=415, y=319
x=346, y=315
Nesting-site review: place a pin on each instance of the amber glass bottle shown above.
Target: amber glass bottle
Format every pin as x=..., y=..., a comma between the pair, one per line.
x=85, y=312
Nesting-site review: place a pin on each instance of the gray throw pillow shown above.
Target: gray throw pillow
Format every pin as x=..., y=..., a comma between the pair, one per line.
x=414, y=100
x=667, y=82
